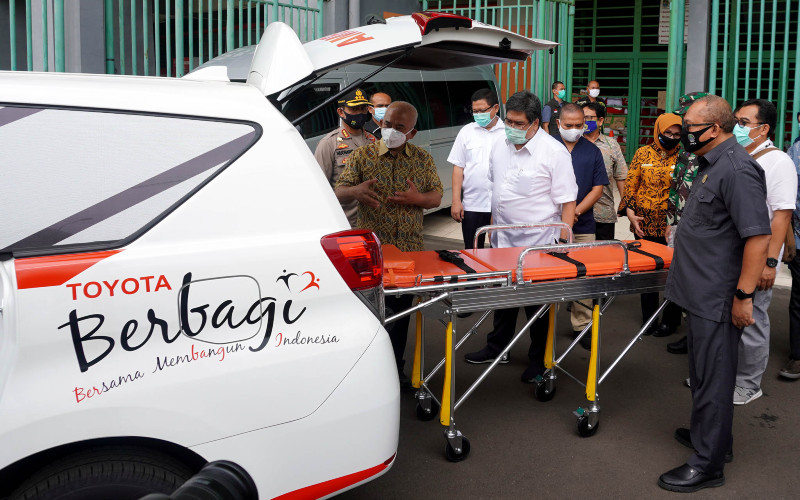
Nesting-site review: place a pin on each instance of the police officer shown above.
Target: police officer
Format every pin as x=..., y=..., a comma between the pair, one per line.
x=334, y=149
x=720, y=252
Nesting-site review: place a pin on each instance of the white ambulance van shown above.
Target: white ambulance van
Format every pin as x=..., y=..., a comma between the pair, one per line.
x=177, y=286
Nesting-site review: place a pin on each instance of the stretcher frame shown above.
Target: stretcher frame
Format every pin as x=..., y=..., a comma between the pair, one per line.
x=484, y=292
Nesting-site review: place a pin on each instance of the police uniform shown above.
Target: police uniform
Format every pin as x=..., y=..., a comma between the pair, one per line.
x=727, y=205
x=334, y=149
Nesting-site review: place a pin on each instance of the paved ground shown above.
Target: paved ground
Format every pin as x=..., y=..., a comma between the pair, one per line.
x=523, y=448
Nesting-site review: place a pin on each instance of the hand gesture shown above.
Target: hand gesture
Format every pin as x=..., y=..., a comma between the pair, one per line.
x=410, y=197
x=366, y=195
x=636, y=222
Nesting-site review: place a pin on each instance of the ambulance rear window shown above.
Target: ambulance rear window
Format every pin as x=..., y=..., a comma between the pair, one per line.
x=75, y=179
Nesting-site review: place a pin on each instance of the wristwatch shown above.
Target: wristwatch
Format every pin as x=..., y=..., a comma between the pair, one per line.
x=773, y=263
x=742, y=295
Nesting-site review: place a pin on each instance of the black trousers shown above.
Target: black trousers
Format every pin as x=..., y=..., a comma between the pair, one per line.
x=604, y=231
x=671, y=315
x=470, y=225
x=794, y=309
x=713, y=355
x=505, y=326
x=398, y=330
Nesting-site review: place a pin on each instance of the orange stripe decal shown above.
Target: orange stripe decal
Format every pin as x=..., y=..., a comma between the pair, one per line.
x=325, y=488
x=54, y=270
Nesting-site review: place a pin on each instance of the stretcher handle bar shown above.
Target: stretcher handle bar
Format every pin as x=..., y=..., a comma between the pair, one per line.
x=571, y=246
x=539, y=313
x=526, y=225
x=505, y=280
x=633, y=341
x=464, y=277
x=417, y=307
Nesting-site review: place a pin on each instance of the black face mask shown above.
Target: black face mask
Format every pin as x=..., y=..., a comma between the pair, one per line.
x=668, y=143
x=357, y=121
x=691, y=140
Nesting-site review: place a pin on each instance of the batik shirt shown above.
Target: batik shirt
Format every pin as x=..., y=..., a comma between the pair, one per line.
x=396, y=224
x=680, y=185
x=647, y=188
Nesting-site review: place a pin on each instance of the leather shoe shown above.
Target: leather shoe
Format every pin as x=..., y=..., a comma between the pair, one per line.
x=679, y=347
x=663, y=331
x=684, y=437
x=685, y=479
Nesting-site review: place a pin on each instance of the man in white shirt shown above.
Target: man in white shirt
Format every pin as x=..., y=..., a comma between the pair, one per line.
x=756, y=122
x=472, y=191
x=532, y=181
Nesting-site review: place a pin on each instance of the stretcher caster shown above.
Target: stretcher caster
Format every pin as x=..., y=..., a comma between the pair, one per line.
x=545, y=389
x=429, y=413
x=584, y=428
x=452, y=455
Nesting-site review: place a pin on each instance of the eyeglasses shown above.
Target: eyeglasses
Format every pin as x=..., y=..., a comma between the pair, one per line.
x=676, y=135
x=744, y=122
x=482, y=110
x=688, y=125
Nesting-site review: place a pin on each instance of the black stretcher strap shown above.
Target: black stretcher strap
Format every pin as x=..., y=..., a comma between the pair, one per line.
x=578, y=264
x=453, y=258
x=634, y=247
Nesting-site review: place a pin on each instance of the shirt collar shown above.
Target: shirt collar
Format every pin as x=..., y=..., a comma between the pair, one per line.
x=764, y=145
x=716, y=153
x=382, y=149
x=497, y=126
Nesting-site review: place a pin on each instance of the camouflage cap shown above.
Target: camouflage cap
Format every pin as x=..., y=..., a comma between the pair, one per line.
x=686, y=100
x=352, y=99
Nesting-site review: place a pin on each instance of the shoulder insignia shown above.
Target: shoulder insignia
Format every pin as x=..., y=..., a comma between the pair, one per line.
x=705, y=178
x=344, y=160
x=371, y=138
x=345, y=134
x=339, y=139
x=342, y=145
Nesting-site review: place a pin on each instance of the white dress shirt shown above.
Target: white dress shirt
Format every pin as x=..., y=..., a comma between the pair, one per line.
x=530, y=185
x=781, y=177
x=471, y=153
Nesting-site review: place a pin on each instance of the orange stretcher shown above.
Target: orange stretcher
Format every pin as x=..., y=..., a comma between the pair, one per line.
x=480, y=280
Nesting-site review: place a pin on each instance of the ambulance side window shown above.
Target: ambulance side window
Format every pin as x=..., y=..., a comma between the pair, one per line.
x=461, y=98
x=411, y=92
x=320, y=122
x=75, y=179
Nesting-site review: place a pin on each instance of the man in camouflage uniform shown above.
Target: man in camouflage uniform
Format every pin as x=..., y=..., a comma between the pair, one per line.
x=334, y=149
x=679, y=188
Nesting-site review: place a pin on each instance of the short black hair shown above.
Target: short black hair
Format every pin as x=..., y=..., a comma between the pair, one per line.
x=598, y=108
x=525, y=102
x=486, y=95
x=767, y=112
x=571, y=107
x=556, y=84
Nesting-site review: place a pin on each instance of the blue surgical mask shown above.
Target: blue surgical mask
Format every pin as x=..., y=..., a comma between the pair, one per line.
x=743, y=135
x=562, y=94
x=379, y=113
x=517, y=136
x=591, y=126
x=482, y=119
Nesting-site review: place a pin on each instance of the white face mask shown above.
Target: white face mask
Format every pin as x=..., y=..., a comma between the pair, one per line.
x=393, y=138
x=594, y=92
x=570, y=135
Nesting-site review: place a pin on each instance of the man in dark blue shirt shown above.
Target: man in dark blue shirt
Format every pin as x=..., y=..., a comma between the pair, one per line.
x=591, y=176
x=720, y=251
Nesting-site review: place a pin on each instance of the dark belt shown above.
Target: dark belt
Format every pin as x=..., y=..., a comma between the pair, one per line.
x=578, y=264
x=453, y=258
x=634, y=247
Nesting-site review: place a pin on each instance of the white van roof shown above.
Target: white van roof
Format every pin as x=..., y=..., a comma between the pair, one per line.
x=430, y=41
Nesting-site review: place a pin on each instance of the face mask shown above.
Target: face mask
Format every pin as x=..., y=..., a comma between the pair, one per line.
x=594, y=92
x=691, y=140
x=668, y=143
x=482, y=119
x=356, y=121
x=562, y=94
x=743, y=135
x=393, y=138
x=379, y=113
x=591, y=126
x=517, y=136
x=570, y=135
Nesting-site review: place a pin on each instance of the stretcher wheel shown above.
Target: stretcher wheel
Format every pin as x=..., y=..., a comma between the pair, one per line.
x=583, y=427
x=426, y=415
x=451, y=454
x=542, y=394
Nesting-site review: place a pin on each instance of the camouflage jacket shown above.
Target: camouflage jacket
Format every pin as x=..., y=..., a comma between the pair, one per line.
x=680, y=185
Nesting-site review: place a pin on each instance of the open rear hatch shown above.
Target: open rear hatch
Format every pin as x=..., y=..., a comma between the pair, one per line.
x=421, y=41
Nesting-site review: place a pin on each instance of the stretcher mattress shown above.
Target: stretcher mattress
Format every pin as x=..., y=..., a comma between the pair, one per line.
x=404, y=269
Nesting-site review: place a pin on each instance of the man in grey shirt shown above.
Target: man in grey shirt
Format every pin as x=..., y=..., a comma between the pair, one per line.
x=719, y=255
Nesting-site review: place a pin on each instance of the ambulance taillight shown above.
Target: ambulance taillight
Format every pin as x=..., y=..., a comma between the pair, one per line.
x=356, y=254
